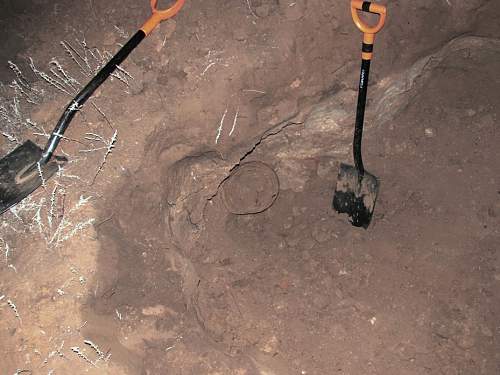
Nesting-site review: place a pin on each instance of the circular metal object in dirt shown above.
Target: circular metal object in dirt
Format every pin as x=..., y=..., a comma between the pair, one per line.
x=251, y=188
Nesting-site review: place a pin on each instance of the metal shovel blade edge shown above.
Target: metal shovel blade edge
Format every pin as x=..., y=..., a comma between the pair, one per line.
x=20, y=174
x=355, y=196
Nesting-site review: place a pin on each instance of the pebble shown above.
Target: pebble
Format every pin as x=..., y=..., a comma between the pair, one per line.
x=296, y=83
x=430, y=132
x=270, y=345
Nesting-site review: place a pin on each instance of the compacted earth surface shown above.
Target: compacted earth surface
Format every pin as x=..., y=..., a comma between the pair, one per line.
x=192, y=229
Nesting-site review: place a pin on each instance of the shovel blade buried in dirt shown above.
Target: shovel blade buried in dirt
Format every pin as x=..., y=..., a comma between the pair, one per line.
x=356, y=191
x=355, y=195
x=21, y=174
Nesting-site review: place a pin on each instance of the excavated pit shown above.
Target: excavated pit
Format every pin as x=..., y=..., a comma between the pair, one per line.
x=295, y=287
x=136, y=261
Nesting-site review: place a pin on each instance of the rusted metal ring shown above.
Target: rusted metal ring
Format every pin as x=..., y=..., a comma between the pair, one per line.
x=251, y=188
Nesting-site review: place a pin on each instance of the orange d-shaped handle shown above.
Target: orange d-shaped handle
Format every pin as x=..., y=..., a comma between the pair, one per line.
x=367, y=6
x=160, y=15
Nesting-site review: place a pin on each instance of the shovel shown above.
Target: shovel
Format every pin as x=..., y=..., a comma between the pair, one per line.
x=356, y=191
x=27, y=167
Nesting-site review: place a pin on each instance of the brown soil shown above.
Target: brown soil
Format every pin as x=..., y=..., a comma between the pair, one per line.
x=138, y=267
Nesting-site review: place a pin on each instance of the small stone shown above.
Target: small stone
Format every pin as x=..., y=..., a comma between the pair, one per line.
x=296, y=83
x=270, y=345
x=279, y=305
x=284, y=283
x=430, y=132
x=471, y=112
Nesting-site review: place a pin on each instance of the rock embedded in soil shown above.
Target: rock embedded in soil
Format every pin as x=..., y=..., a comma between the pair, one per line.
x=270, y=345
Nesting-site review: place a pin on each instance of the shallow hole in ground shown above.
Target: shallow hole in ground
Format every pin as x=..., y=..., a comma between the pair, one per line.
x=295, y=288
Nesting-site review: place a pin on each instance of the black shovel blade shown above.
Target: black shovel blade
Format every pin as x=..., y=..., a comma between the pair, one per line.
x=20, y=176
x=355, y=195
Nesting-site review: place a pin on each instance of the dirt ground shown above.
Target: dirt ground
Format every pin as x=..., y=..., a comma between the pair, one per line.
x=129, y=261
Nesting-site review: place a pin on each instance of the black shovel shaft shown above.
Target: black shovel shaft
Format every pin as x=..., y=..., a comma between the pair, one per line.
x=86, y=93
x=360, y=115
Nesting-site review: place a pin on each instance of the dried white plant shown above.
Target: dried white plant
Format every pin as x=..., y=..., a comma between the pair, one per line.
x=58, y=351
x=22, y=371
x=7, y=250
x=13, y=306
x=101, y=356
x=221, y=125
x=82, y=355
x=54, y=82
x=234, y=121
x=108, y=146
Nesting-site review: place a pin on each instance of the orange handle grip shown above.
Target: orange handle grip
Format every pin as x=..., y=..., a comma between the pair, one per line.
x=370, y=7
x=160, y=15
